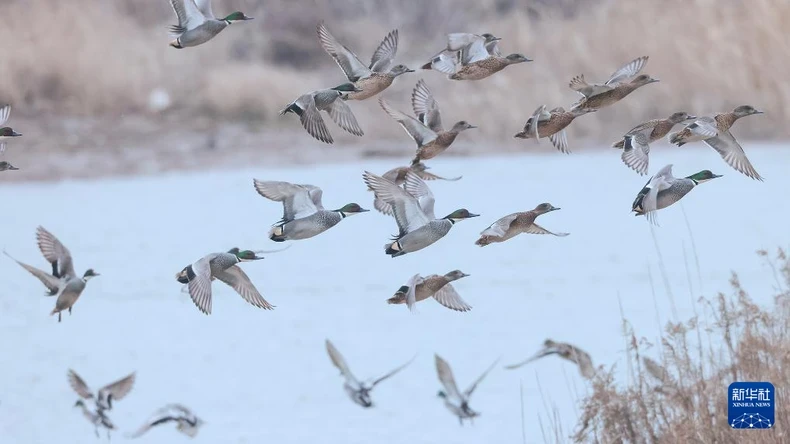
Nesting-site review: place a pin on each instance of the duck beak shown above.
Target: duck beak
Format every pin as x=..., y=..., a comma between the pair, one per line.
x=409, y=70
x=691, y=118
x=12, y=168
x=653, y=81
x=717, y=175
x=465, y=275
x=473, y=215
x=363, y=210
x=472, y=126
x=496, y=39
x=759, y=112
x=15, y=134
x=555, y=208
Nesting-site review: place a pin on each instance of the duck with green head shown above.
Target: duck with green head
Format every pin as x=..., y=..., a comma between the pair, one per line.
x=309, y=105
x=6, y=132
x=412, y=208
x=199, y=276
x=197, y=24
x=663, y=190
x=304, y=215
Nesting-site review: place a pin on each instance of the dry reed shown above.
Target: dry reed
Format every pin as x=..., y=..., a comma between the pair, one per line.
x=681, y=396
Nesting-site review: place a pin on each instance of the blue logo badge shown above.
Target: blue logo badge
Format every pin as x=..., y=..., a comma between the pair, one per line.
x=751, y=405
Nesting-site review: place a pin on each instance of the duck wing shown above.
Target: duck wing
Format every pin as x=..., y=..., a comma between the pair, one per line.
x=415, y=186
x=199, y=287
x=51, y=282
x=5, y=112
x=188, y=14
x=55, y=253
x=411, y=294
x=447, y=379
x=450, y=298
x=352, y=67
x=384, y=55
x=393, y=372
x=421, y=134
x=474, y=385
x=406, y=209
x=424, y=175
x=537, y=229
x=446, y=61
x=340, y=363
x=627, y=71
x=342, y=115
x=636, y=151
x=204, y=6
x=474, y=52
x=659, y=182
x=299, y=201
x=116, y=391
x=732, y=153
x=79, y=385
x=237, y=279
x=560, y=141
x=425, y=107
x=500, y=227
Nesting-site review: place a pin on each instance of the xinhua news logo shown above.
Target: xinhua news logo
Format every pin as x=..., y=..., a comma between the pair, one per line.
x=751, y=405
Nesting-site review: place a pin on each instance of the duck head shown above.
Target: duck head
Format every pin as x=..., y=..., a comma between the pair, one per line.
x=745, y=110
x=462, y=126
x=703, y=176
x=442, y=394
x=8, y=132
x=7, y=166
x=79, y=403
x=459, y=215
x=490, y=37
x=517, y=58
x=455, y=275
x=351, y=209
x=399, y=69
x=681, y=116
x=244, y=255
x=237, y=16
x=89, y=274
x=545, y=208
x=643, y=79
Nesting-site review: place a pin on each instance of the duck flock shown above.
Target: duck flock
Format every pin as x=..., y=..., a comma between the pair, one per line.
x=401, y=192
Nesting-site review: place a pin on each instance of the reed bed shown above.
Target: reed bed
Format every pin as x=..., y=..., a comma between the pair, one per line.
x=677, y=389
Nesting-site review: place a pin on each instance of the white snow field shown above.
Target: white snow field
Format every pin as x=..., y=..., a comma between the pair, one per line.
x=259, y=376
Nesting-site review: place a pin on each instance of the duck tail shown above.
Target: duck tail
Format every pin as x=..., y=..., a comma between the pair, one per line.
x=394, y=249
x=276, y=234
x=677, y=138
x=427, y=65
x=483, y=241
x=416, y=160
x=619, y=144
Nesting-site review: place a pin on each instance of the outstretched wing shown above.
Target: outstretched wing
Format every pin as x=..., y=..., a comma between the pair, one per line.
x=188, y=14
x=627, y=71
x=474, y=385
x=118, y=389
x=406, y=208
x=446, y=377
x=79, y=385
x=450, y=298
x=340, y=363
x=392, y=372
x=342, y=115
x=237, y=279
x=298, y=200
x=352, y=67
x=55, y=252
x=413, y=127
x=415, y=186
x=732, y=153
x=425, y=107
x=384, y=55
x=51, y=282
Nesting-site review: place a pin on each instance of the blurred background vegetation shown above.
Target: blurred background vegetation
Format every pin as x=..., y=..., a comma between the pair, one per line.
x=104, y=58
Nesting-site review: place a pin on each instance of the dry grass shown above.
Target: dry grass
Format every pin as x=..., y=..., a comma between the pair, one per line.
x=681, y=396
x=95, y=57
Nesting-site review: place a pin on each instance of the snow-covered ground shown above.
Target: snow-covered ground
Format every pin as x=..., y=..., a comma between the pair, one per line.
x=260, y=376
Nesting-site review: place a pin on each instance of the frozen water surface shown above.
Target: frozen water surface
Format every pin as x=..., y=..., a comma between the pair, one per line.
x=263, y=376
